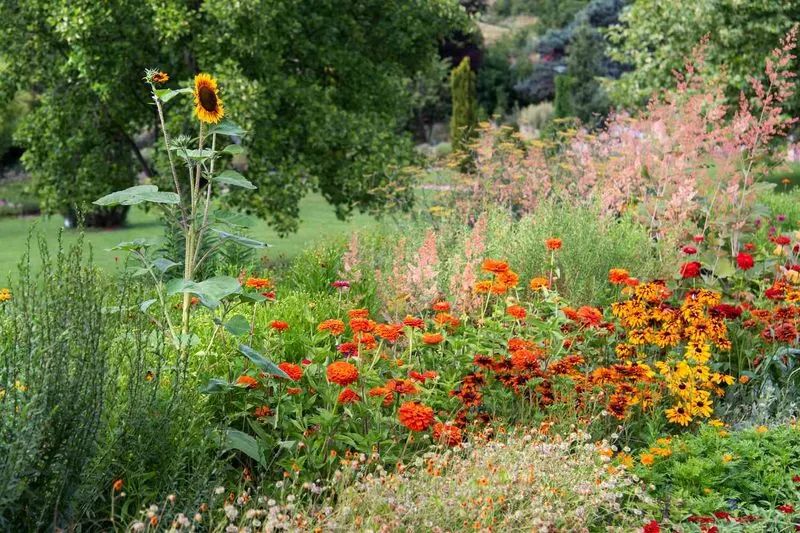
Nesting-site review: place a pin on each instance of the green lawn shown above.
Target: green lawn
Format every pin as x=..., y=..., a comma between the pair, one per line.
x=317, y=222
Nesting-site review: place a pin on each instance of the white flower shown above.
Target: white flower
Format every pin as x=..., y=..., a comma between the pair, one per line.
x=138, y=526
x=219, y=490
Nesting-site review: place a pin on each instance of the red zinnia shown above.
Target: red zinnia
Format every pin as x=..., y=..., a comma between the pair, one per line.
x=689, y=250
x=441, y=306
x=279, y=325
x=690, y=270
x=651, y=527
x=247, y=381
x=785, y=508
x=553, y=244
x=698, y=238
x=293, y=371
x=348, y=396
x=744, y=261
x=415, y=416
x=617, y=276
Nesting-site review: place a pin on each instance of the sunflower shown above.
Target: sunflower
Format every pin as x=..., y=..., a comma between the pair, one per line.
x=207, y=103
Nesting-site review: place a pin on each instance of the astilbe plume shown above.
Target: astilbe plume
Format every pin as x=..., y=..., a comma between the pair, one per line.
x=463, y=278
x=391, y=287
x=351, y=261
x=420, y=279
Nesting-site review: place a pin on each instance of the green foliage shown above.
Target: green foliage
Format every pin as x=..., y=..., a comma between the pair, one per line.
x=10, y=115
x=465, y=112
x=551, y=13
x=742, y=34
x=326, y=92
x=723, y=470
x=584, y=65
x=562, y=105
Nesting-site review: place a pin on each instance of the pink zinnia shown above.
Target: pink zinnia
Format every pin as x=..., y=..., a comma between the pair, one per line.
x=340, y=284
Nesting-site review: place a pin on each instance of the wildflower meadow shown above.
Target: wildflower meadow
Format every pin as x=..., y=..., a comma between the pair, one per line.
x=593, y=325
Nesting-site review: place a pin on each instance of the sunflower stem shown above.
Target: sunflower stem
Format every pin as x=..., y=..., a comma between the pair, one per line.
x=202, y=228
x=172, y=168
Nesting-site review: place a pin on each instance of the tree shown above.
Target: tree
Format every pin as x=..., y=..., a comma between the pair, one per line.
x=465, y=106
x=322, y=84
x=584, y=65
x=655, y=36
x=562, y=105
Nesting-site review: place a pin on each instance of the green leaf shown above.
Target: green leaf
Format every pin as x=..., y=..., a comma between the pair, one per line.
x=210, y=291
x=215, y=385
x=261, y=362
x=138, y=194
x=146, y=304
x=236, y=440
x=231, y=177
x=234, y=220
x=165, y=95
x=237, y=326
x=238, y=239
x=198, y=155
x=724, y=268
x=138, y=244
x=226, y=127
x=163, y=264
x=233, y=149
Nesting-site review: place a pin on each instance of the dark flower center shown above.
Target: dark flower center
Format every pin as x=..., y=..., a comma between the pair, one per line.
x=208, y=100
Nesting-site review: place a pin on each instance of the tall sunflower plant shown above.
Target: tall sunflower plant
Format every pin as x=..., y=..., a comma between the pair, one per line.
x=191, y=207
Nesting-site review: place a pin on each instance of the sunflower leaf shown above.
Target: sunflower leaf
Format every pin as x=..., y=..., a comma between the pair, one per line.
x=165, y=95
x=233, y=149
x=226, y=127
x=238, y=239
x=138, y=194
x=262, y=362
x=231, y=177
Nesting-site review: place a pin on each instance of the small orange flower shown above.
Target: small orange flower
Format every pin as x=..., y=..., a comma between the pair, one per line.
x=247, y=381
x=389, y=332
x=160, y=77
x=386, y=394
x=361, y=325
x=342, y=373
x=349, y=396
x=441, y=306
x=294, y=390
x=508, y=278
x=293, y=371
x=482, y=287
x=358, y=313
x=618, y=276
x=333, y=325
x=647, y=459
x=415, y=416
x=499, y=288
x=744, y=379
x=553, y=243
x=279, y=325
x=118, y=485
x=432, y=338
x=539, y=283
x=517, y=311
x=448, y=434
x=258, y=283
x=494, y=266
x=414, y=322
x=263, y=411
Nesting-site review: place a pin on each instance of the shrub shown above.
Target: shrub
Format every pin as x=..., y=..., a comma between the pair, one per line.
x=464, y=119
x=537, y=116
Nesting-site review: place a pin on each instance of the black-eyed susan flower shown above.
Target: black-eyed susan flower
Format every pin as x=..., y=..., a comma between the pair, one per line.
x=207, y=102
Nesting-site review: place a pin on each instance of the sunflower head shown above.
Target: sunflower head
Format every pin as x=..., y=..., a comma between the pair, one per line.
x=160, y=77
x=207, y=102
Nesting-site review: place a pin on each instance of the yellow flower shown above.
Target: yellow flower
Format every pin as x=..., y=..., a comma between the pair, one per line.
x=661, y=452
x=727, y=458
x=20, y=387
x=722, y=433
x=717, y=423
x=761, y=429
x=680, y=414
x=207, y=102
x=5, y=294
x=779, y=251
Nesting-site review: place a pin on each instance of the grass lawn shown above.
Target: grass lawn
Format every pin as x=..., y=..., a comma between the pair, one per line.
x=317, y=222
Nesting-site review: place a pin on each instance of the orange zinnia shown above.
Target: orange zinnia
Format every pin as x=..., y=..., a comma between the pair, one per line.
x=342, y=373
x=335, y=326
x=432, y=338
x=258, y=283
x=441, y=306
x=348, y=396
x=389, y=332
x=247, y=381
x=448, y=434
x=382, y=392
x=553, y=243
x=517, y=311
x=361, y=325
x=293, y=371
x=358, y=313
x=482, y=287
x=617, y=276
x=494, y=266
x=509, y=278
x=539, y=283
x=414, y=322
x=415, y=416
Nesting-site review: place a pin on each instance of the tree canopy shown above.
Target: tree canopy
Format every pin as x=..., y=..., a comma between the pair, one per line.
x=654, y=36
x=320, y=85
